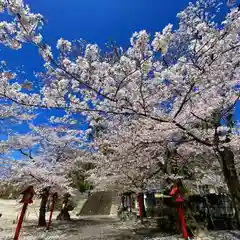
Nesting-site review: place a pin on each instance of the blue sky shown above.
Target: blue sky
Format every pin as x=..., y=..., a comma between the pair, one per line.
x=99, y=20
x=96, y=21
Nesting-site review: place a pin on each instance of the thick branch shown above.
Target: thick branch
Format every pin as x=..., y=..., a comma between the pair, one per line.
x=184, y=100
x=197, y=139
x=26, y=154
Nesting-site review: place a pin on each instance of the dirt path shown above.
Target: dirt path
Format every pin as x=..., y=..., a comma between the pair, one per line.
x=94, y=228
x=98, y=228
x=85, y=228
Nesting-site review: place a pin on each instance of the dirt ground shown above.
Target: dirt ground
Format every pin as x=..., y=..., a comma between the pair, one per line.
x=85, y=228
x=94, y=227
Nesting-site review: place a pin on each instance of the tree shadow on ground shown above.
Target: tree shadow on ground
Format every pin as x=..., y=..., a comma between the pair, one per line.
x=78, y=227
x=235, y=234
x=71, y=227
x=135, y=234
x=139, y=232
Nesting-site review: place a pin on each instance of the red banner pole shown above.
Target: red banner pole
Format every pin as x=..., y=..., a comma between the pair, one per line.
x=176, y=193
x=27, y=198
x=183, y=224
x=51, y=211
x=50, y=217
x=140, y=203
x=20, y=220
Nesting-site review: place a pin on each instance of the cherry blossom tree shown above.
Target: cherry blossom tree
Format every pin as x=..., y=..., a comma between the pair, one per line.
x=139, y=154
x=47, y=167
x=191, y=85
x=185, y=79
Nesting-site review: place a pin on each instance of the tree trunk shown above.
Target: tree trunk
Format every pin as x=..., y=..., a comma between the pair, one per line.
x=64, y=214
x=231, y=178
x=122, y=202
x=199, y=229
x=130, y=203
x=209, y=212
x=43, y=205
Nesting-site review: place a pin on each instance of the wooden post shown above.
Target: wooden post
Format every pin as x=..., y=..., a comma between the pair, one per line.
x=27, y=199
x=54, y=199
x=64, y=214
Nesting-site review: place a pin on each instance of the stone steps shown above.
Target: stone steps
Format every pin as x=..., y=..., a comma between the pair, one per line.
x=98, y=203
